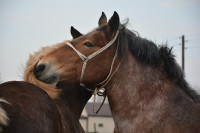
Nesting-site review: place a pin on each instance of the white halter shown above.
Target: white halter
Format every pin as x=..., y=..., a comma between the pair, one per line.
x=86, y=59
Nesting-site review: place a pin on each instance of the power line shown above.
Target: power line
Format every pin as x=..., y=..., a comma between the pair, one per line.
x=191, y=47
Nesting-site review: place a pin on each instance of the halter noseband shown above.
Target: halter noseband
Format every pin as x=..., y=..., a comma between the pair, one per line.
x=86, y=59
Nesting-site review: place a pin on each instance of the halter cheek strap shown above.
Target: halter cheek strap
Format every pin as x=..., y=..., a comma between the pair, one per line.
x=86, y=59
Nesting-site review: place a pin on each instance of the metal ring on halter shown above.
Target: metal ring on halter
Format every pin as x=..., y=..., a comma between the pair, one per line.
x=85, y=59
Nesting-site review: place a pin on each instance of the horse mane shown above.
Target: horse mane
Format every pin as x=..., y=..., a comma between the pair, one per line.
x=149, y=53
x=29, y=76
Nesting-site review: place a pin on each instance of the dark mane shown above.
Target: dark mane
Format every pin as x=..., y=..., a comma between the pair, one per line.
x=148, y=52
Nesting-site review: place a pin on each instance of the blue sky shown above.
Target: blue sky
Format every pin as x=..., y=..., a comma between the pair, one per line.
x=26, y=25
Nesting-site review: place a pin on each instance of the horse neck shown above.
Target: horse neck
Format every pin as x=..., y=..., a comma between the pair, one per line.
x=69, y=116
x=73, y=97
x=138, y=89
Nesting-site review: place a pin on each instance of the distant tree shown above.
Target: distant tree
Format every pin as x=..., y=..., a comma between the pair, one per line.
x=0, y=79
x=20, y=71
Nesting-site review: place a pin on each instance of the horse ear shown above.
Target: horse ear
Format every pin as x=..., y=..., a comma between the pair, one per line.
x=113, y=23
x=102, y=19
x=75, y=33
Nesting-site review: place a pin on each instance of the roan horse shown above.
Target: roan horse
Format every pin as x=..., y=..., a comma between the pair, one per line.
x=26, y=108
x=146, y=88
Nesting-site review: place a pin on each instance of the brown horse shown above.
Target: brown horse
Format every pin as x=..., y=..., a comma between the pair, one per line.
x=146, y=88
x=27, y=108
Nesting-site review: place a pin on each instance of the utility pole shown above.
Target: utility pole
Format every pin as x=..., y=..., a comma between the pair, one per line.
x=95, y=128
x=183, y=52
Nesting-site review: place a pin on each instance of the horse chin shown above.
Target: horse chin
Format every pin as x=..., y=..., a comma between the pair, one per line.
x=54, y=84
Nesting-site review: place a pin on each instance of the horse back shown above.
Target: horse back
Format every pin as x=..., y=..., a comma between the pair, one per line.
x=184, y=112
x=28, y=109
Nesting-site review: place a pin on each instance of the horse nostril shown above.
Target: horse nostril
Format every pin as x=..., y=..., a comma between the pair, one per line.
x=39, y=69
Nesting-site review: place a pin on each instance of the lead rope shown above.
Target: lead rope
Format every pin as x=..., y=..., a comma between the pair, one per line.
x=98, y=92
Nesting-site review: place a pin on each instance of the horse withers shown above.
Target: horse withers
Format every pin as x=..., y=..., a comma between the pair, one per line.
x=145, y=86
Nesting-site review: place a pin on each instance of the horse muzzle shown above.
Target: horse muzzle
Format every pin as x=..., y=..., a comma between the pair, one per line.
x=46, y=74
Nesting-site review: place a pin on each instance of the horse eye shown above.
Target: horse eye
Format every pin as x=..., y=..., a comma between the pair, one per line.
x=88, y=44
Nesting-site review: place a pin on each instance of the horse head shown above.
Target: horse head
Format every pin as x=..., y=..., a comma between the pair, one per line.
x=87, y=59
